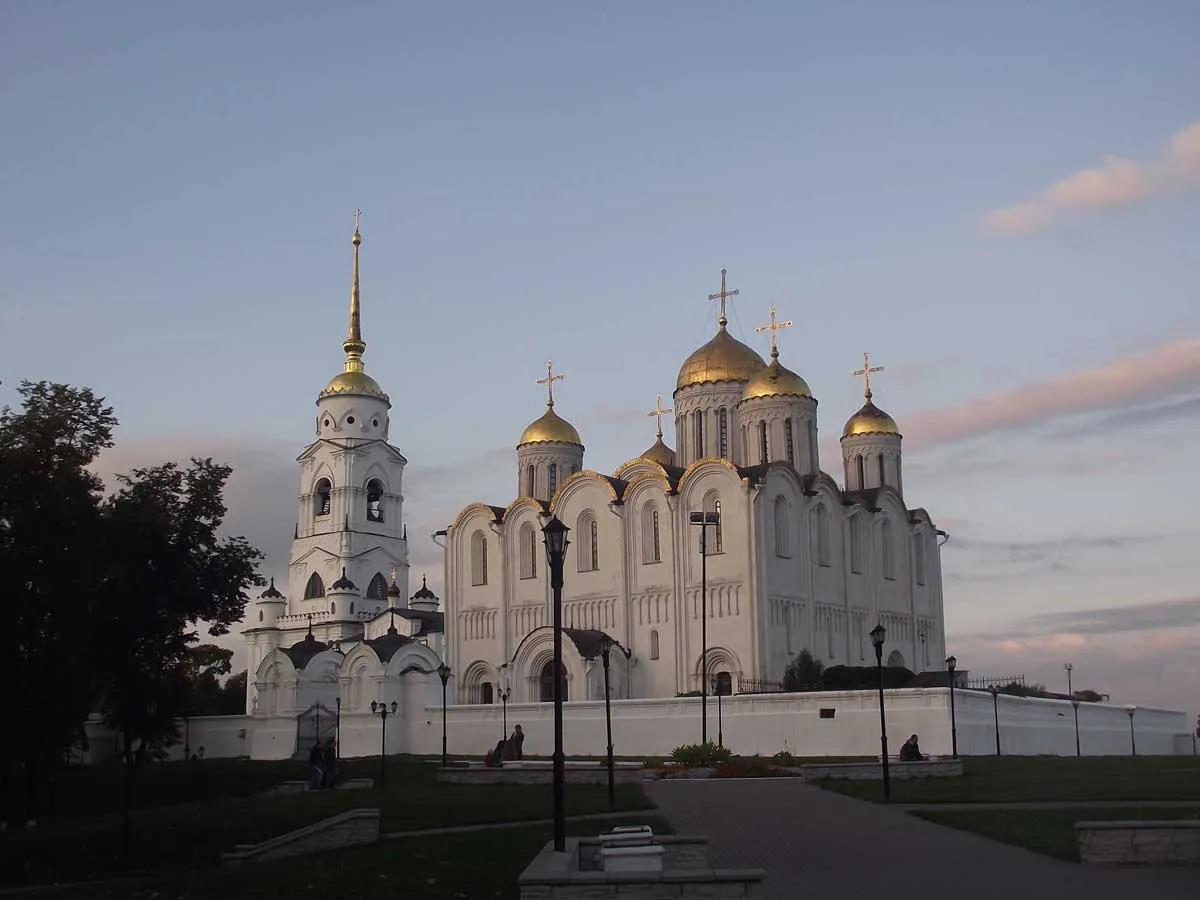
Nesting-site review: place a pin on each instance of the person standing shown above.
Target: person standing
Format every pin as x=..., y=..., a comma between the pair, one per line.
x=518, y=743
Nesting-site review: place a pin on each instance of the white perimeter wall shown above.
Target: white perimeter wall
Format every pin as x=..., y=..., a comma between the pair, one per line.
x=764, y=723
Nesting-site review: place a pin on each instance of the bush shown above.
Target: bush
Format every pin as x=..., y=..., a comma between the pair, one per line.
x=784, y=758
x=858, y=678
x=700, y=756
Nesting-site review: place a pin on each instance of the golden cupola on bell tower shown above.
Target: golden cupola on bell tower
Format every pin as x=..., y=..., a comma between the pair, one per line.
x=871, y=442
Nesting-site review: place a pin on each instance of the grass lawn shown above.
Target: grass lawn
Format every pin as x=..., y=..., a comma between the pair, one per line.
x=1031, y=778
x=1048, y=831
x=479, y=866
x=193, y=835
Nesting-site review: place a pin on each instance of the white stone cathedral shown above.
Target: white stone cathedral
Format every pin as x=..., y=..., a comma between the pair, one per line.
x=797, y=561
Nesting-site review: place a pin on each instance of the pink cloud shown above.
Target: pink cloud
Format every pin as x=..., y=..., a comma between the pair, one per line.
x=1116, y=183
x=1121, y=381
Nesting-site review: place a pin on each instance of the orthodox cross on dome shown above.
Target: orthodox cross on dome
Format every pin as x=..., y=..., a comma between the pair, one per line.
x=357, y=213
x=774, y=328
x=549, y=380
x=866, y=371
x=393, y=574
x=658, y=412
x=723, y=295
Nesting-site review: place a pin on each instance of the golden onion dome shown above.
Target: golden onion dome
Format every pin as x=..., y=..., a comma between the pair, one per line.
x=724, y=358
x=353, y=382
x=660, y=453
x=776, y=381
x=550, y=428
x=870, y=420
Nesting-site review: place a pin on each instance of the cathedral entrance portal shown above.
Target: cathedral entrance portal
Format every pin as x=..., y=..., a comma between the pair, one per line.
x=546, y=682
x=317, y=724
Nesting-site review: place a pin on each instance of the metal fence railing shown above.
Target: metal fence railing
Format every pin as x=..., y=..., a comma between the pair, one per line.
x=983, y=682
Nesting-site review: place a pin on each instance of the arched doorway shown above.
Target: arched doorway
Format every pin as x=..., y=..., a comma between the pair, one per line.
x=546, y=682
x=895, y=660
x=723, y=684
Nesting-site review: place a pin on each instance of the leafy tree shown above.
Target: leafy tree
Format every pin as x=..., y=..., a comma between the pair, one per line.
x=1090, y=696
x=804, y=673
x=206, y=663
x=49, y=525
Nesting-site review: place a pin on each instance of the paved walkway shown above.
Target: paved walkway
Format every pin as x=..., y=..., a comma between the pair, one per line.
x=493, y=826
x=1048, y=804
x=817, y=845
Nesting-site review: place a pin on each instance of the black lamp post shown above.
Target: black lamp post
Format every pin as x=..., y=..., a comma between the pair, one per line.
x=337, y=729
x=555, y=533
x=1075, y=705
x=951, y=665
x=504, y=713
x=996, y=714
x=1132, y=740
x=704, y=520
x=606, y=646
x=878, y=636
x=719, y=691
x=383, y=711
x=443, y=672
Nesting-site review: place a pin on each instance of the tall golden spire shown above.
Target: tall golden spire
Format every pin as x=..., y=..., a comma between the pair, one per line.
x=354, y=345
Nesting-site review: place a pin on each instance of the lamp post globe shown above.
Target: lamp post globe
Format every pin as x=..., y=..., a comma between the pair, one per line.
x=878, y=636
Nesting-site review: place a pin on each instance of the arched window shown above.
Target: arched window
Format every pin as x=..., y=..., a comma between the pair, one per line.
x=589, y=542
x=479, y=558
x=882, y=470
x=919, y=557
x=529, y=473
x=654, y=644
x=862, y=473
x=855, y=544
x=546, y=682
x=260, y=615
x=314, y=588
x=486, y=694
x=322, y=497
x=651, y=542
x=789, y=441
x=723, y=684
x=821, y=517
x=553, y=471
x=723, y=432
x=813, y=458
x=528, y=551
x=698, y=428
x=378, y=588
x=332, y=608
x=374, y=500
x=351, y=607
x=762, y=443
x=887, y=554
x=782, y=539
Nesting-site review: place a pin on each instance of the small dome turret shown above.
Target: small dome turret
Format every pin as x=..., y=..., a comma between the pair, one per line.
x=871, y=443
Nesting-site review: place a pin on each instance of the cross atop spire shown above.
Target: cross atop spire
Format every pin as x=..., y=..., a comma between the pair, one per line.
x=866, y=371
x=658, y=412
x=774, y=328
x=549, y=380
x=354, y=344
x=723, y=295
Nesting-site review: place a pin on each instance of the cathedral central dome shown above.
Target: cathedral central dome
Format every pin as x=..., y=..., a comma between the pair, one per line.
x=353, y=383
x=724, y=358
x=550, y=428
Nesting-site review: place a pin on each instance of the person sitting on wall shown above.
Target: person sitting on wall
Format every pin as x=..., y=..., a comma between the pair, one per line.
x=518, y=742
x=496, y=756
x=911, y=751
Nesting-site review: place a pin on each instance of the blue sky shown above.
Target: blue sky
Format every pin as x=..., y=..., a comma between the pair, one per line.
x=566, y=180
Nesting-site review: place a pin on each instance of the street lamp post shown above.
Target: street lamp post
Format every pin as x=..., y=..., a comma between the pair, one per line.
x=878, y=636
x=996, y=713
x=606, y=646
x=337, y=729
x=720, y=724
x=951, y=665
x=704, y=520
x=383, y=711
x=443, y=672
x=1132, y=740
x=504, y=713
x=556, y=550
x=1074, y=705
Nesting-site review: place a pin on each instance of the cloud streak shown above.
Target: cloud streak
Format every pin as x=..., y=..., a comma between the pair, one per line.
x=1162, y=614
x=1116, y=183
x=1115, y=384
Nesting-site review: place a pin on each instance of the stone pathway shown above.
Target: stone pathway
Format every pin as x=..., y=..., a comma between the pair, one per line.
x=817, y=845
